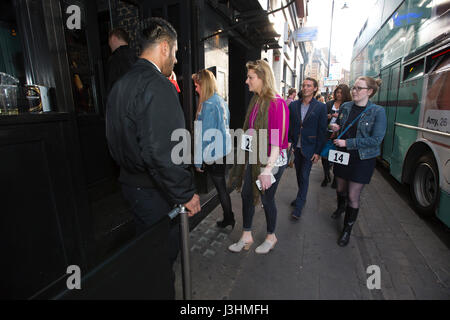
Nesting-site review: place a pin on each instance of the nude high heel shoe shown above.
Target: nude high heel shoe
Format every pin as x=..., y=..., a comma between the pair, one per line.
x=241, y=244
x=266, y=246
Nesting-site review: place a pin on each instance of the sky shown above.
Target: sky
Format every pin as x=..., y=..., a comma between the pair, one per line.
x=346, y=25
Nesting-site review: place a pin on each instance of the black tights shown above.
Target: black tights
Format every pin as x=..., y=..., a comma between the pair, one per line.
x=326, y=165
x=350, y=189
x=225, y=201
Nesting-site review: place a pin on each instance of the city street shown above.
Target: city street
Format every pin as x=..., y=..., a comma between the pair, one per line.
x=306, y=263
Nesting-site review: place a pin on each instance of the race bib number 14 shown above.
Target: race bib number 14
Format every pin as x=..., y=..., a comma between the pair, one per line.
x=338, y=157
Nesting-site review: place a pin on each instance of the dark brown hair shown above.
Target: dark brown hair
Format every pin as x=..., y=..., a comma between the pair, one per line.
x=120, y=34
x=345, y=92
x=316, y=84
x=291, y=91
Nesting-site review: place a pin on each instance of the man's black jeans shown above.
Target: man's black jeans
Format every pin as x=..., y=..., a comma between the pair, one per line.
x=149, y=206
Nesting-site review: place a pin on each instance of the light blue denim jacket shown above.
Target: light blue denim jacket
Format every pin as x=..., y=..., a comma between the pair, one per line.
x=370, y=132
x=212, y=136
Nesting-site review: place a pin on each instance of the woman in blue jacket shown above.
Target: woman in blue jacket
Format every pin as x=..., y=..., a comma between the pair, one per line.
x=212, y=138
x=362, y=142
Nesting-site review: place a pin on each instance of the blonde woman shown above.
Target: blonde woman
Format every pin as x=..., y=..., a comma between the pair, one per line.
x=267, y=111
x=213, y=117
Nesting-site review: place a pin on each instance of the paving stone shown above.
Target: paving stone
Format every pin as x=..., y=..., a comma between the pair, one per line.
x=209, y=253
x=216, y=244
x=222, y=236
x=203, y=240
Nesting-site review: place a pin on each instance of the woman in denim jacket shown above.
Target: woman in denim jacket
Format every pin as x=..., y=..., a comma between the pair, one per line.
x=212, y=138
x=362, y=141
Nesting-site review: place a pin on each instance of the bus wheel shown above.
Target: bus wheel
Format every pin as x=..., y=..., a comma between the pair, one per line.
x=424, y=185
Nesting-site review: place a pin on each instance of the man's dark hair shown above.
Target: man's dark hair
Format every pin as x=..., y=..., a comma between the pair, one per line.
x=157, y=30
x=316, y=84
x=119, y=33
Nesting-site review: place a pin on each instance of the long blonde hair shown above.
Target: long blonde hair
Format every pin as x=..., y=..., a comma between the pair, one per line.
x=208, y=86
x=265, y=73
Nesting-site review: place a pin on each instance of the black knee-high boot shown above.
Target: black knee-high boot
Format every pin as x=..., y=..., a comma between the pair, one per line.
x=341, y=200
x=350, y=217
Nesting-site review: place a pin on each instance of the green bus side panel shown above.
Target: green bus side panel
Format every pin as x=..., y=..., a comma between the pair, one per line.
x=444, y=208
x=409, y=99
x=423, y=27
x=412, y=26
x=403, y=139
x=408, y=112
x=393, y=35
x=392, y=88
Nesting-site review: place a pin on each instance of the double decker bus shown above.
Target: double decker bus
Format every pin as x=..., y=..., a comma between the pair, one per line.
x=406, y=43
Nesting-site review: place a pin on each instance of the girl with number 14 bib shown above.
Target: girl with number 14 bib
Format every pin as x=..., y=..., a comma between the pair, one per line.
x=361, y=142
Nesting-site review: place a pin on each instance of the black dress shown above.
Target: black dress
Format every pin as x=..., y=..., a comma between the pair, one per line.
x=357, y=170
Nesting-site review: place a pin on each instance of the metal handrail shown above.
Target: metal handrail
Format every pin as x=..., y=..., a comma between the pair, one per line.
x=185, y=259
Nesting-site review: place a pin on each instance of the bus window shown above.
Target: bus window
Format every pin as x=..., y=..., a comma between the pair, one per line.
x=413, y=70
x=437, y=60
x=444, y=65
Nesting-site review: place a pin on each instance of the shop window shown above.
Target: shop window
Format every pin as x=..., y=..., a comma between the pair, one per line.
x=80, y=67
x=414, y=70
x=11, y=62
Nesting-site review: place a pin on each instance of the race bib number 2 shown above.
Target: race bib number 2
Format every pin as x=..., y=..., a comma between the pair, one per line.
x=338, y=157
x=246, y=142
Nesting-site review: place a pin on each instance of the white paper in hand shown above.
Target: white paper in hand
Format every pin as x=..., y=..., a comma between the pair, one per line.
x=272, y=179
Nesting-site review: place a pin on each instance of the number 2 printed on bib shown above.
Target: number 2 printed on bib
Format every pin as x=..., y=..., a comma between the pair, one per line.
x=246, y=142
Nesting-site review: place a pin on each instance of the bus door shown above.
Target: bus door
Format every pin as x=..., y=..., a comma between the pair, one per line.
x=388, y=98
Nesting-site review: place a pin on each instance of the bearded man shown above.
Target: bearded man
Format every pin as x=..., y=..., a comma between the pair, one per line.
x=142, y=112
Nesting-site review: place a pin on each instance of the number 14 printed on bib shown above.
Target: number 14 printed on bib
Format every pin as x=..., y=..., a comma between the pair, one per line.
x=338, y=157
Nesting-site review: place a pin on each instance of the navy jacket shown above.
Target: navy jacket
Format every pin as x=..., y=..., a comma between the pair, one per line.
x=313, y=130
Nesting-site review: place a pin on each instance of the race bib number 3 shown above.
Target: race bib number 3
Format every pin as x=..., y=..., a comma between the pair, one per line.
x=246, y=142
x=338, y=157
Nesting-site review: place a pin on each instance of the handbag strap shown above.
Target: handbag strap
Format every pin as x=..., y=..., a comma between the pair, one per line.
x=353, y=122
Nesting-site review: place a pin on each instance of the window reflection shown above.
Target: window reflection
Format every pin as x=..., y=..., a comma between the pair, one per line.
x=81, y=73
x=11, y=62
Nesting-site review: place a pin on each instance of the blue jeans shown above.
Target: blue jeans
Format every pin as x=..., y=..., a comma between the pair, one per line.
x=267, y=199
x=302, y=169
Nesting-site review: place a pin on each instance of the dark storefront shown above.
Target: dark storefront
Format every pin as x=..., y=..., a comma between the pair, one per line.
x=60, y=202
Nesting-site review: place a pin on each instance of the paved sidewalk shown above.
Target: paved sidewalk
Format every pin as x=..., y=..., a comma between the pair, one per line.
x=308, y=264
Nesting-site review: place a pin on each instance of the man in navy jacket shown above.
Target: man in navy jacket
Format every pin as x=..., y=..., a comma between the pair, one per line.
x=307, y=134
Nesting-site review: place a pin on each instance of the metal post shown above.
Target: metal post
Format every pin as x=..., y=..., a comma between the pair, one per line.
x=329, y=45
x=110, y=15
x=186, y=264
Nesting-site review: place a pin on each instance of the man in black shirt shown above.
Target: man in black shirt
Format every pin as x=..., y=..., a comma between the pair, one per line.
x=122, y=58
